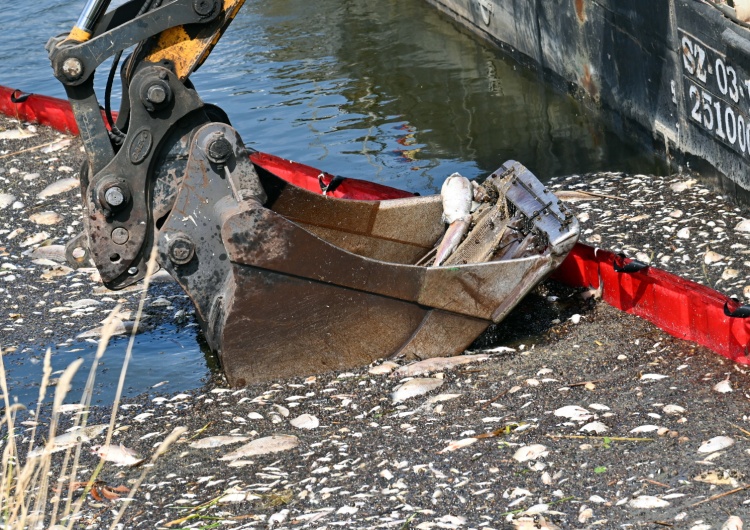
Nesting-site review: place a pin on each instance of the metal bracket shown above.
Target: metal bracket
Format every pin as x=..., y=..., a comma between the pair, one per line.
x=118, y=198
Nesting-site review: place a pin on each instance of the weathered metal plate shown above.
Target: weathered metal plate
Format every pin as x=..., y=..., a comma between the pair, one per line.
x=675, y=70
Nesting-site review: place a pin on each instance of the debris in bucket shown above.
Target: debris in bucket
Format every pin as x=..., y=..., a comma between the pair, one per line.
x=457, y=194
x=485, y=224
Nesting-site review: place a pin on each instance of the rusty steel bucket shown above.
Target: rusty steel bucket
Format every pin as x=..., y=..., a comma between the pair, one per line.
x=290, y=282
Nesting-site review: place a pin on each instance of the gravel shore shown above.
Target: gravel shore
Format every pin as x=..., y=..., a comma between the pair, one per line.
x=580, y=416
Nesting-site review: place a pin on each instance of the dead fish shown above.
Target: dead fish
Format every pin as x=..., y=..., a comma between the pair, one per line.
x=262, y=446
x=415, y=387
x=647, y=502
x=385, y=368
x=119, y=455
x=733, y=523
x=16, y=134
x=51, y=252
x=716, y=444
x=458, y=444
x=305, y=421
x=6, y=199
x=530, y=452
x=57, y=146
x=58, y=187
x=457, y=194
x=69, y=439
x=437, y=363
x=36, y=238
x=46, y=218
x=217, y=441
x=578, y=195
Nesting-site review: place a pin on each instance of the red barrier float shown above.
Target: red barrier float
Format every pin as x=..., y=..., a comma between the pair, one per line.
x=682, y=308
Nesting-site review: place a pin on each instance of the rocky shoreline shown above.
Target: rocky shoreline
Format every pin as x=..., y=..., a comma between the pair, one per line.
x=586, y=417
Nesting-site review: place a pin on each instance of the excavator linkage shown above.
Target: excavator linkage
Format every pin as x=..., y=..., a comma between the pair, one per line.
x=285, y=281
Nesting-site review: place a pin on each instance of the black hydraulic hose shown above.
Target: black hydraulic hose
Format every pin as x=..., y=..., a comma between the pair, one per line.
x=116, y=134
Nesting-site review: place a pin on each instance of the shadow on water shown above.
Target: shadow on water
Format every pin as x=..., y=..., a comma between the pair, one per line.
x=165, y=360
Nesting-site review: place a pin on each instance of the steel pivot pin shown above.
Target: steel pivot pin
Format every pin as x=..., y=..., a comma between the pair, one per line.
x=181, y=250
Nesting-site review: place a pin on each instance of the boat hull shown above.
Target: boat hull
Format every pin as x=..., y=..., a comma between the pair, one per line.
x=677, y=71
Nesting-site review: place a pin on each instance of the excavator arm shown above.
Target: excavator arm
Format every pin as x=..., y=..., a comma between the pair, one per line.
x=285, y=281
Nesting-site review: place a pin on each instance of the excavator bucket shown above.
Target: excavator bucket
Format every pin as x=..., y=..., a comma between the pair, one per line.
x=285, y=281
x=289, y=282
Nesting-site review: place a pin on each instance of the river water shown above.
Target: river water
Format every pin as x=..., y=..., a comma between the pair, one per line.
x=388, y=91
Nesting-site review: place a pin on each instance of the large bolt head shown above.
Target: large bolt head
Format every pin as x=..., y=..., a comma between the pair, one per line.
x=156, y=94
x=181, y=250
x=72, y=68
x=204, y=7
x=114, y=196
x=219, y=150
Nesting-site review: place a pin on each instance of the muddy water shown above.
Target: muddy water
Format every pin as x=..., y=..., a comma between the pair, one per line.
x=388, y=91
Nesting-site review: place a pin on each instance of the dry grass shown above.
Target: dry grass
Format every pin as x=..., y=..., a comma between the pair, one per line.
x=34, y=491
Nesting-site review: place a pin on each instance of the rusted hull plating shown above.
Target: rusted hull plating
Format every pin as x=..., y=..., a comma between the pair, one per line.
x=676, y=70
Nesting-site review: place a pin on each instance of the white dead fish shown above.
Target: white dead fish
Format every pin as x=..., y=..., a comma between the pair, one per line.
x=58, y=187
x=653, y=377
x=457, y=194
x=118, y=455
x=305, y=421
x=679, y=187
x=415, y=387
x=59, y=145
x=385, y=368
x=262, y=446
x=458, y=444
x=596, y=427
x=46, y=218
x=36, y=238
x=6, y=199
x=573, y=412
x=217, y=441
x=733, y=523
x=51, y=252
x=580, y=195
x=645, y=428
x=530, y=452
x=16, y=134
x=436, y=364
x=70, y=438
x=69, y=407
x=716, y=443
x=711, y=257
x=648, y=502
x=723, y=387
x=673, y=409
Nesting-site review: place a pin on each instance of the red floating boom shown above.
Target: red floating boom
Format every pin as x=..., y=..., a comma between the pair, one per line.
x=682, y=308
